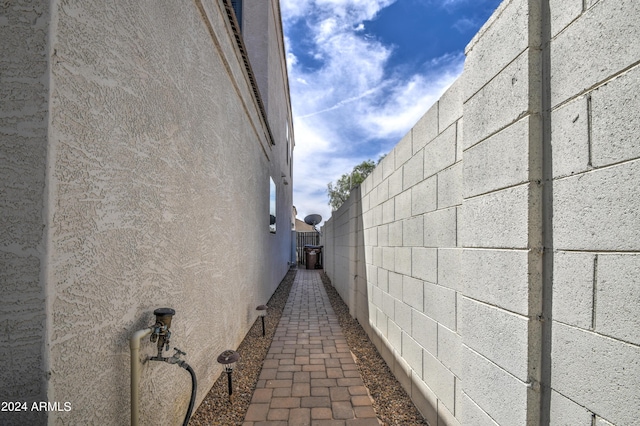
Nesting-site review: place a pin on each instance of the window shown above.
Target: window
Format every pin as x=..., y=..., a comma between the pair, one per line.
x=237, y=8
x=272, y=206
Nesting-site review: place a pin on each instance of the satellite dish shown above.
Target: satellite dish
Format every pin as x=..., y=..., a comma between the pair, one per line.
x=313, y=219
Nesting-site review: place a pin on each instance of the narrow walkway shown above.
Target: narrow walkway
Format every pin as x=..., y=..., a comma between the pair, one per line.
x=309, y=376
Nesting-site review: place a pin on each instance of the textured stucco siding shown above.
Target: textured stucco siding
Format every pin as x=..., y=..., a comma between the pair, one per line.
x=158, y=161
x=501, y=233
x=24, y=87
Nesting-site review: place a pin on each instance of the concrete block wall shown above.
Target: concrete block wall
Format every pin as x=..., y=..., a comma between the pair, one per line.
x=594, y=106
x=500, y=235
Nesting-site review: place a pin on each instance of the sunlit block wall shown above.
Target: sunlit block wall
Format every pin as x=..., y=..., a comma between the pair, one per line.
x=500, y=235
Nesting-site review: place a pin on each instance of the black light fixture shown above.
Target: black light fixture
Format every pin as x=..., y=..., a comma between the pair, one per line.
x=228, y=360
x=262, y=311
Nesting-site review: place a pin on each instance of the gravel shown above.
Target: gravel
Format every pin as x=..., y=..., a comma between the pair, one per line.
x=391, y=403
x=216, y=409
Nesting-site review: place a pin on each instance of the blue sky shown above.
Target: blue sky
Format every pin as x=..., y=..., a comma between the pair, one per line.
x=361, y=74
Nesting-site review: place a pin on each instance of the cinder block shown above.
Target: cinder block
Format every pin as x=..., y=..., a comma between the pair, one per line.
x=425, y=400
x=602, y=422
x=377, y=296
x=403, y=260
x=579, y=62
x=366, y=185
x=590, y=215
x=403, y=205
x=450, y=186
x=498, y=335
x=413, y=171
x=440, y=228
x=383, y=235
x=498, y=219
x=459, y=139
x=377, y=176
x=412, y=353
x=440, y=304
x=565, y=412
x=395, y=183
x=395, y=234
x=472, y=414
x=502, y=396
x=445, y=416
x=394, y=335
x=440, y=153
x=403, y=150
x=450, y=105
x=440, y=379
x=381, y=322
x=615, y=121
x=449, y=268
x=388, y=211
x=388, y=164
x=388, y=305
x=426, y=129
x=383, y=279
x=570, y=138
x=402, y=370
x=424, y=196
x=413, y=292
x=597, y=372
x=395, y=285
x=402, y=315
x=573, y=288
x=424, y=330
x=449, y=349
x=388, y=258
x=563, y=12
x=499, y=161
x=382, y=191
x=413, y=231
x=502, y=101
x=424, y=264
x=618, y=296
x=497, y=277
x=372, y=274
x=490, y=42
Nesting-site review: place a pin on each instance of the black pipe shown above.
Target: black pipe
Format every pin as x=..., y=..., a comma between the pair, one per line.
x=194, y=383
x=194, y=387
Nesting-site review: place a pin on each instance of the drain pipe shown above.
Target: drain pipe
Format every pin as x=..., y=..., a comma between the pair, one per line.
x=134, y=345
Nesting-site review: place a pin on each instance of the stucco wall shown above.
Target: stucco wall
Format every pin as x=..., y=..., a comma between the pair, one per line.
x=24, y=86
x=158, y=162
x=500, y=234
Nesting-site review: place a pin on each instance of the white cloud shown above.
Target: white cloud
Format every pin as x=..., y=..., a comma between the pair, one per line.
x=349, y=97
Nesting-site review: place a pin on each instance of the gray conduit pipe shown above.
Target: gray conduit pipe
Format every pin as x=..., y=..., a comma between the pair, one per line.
x=134, y=345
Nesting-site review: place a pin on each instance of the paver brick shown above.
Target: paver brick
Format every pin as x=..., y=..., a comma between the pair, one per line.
x=288, y=402
x=278, y=414
x=342, y=410
x=309, y=376
x=316, y=401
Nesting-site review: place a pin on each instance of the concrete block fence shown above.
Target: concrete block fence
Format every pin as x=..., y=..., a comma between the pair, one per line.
x=493, y=256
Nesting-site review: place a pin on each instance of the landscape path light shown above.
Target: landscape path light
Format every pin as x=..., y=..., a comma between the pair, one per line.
x=262, y=311
x=228, y=360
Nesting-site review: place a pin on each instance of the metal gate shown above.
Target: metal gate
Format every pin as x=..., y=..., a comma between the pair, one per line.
x=304, y=238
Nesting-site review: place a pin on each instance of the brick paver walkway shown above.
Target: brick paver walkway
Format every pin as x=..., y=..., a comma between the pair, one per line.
x=309, y=376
